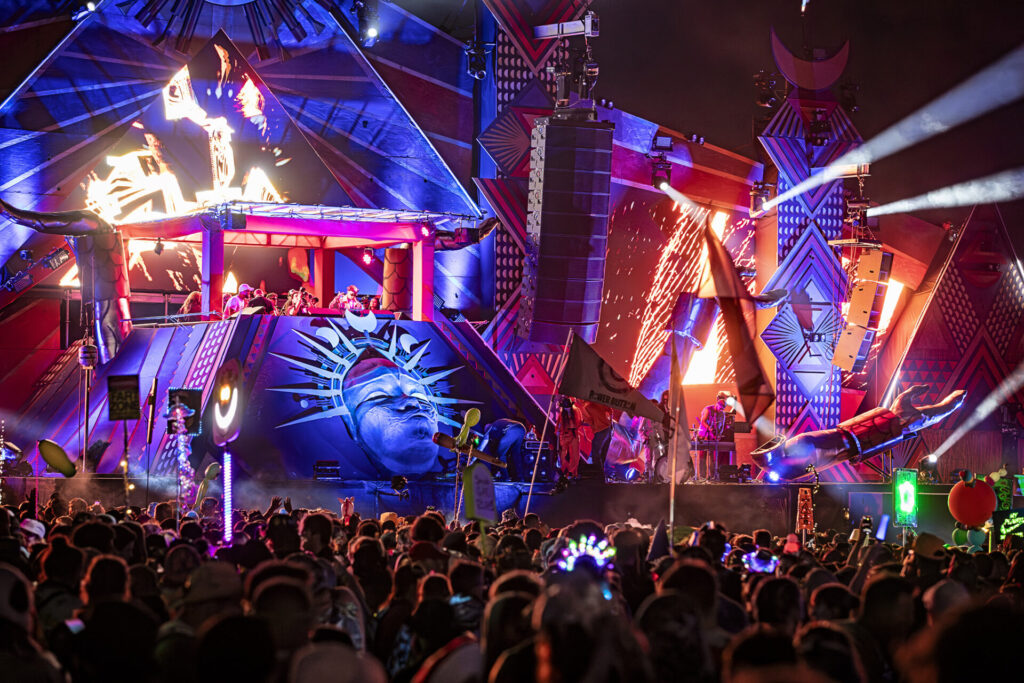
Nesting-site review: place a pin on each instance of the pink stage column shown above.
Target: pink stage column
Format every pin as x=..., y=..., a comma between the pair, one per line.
x=213, y=269
x=323, y=275
x=423, y=280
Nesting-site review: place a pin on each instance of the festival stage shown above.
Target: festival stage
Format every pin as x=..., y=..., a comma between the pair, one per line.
x=738, y=506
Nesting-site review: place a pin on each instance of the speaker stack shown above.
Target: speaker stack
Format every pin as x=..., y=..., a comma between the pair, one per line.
x=567, y=229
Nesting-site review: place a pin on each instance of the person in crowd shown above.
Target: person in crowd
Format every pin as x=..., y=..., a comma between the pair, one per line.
x=126, y=594
x=192, y=305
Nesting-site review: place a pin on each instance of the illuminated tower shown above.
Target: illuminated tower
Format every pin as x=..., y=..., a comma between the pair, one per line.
x=808, y=131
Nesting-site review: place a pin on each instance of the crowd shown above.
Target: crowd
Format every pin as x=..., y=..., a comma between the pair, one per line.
x=89, y=594
x=294, y=302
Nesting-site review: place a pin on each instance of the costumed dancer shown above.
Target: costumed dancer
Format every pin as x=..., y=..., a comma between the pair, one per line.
x=570, y=419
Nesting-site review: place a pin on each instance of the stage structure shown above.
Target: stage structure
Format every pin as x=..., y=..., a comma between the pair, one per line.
x=226, y=150
x=808, y=131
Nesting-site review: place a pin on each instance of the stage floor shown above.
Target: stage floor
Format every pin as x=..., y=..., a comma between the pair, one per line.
x=740, y=507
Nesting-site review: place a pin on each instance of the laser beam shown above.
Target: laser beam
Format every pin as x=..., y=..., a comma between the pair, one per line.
x=1005, y=186
x=994, y=86
x=1007, y=388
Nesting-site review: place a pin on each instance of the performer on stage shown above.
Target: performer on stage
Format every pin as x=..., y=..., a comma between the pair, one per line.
x=570, y=419
x=712, y=428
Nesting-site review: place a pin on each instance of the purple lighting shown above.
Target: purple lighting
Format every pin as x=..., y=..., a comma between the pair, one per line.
x=228, y=497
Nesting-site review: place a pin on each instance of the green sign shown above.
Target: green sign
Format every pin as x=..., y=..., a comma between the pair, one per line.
x=905, y=501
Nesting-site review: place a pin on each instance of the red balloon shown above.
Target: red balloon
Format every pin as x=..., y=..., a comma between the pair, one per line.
x=972, y=505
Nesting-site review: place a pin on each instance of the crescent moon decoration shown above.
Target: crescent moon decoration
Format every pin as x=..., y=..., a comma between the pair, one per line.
x=808, y=74
x=224, y=420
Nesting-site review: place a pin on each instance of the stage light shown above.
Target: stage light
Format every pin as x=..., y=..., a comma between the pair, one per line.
x=848, y=96
x=766, y=86
x=660, y=143
x=368, y=20
x=905, y=497
x=661, y=173
x=1006, y=186
x=819, y=130
x=55, y=259
x=932, y=458
x=367, y=256
x=158, y=248
x=991, y=88
x=229, y=497
x=25, y=254
x=19, y=282
x=773, y=476
x=476, y=59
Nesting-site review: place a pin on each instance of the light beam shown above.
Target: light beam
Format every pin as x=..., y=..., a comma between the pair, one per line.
x=995, y=86
x=1005, y=186
x=1007, y=388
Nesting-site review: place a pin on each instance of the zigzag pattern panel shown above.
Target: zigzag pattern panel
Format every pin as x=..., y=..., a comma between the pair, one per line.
x=956, y=308
x=1006, y=314
x=518, y=17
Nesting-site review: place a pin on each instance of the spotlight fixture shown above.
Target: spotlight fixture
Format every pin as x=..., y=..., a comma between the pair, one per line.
x=367, y=256
x=25, y=254
x=819, y=130
x=848, y=96
x=759, y=193
x=83, y=11
x=661, y=143
x=56, y=258
x=661, y=173
x=368, y=20
x=19, y=282
x=476, y=59
x=695, y=139
x=158, y=248
x=766, y=85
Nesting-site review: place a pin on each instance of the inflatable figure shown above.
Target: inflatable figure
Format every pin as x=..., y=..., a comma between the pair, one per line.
x=102, y=268
x=856, y=439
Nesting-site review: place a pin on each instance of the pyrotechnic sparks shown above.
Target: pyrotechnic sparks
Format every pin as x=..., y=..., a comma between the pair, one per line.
x=678, y=270
x=127, y=194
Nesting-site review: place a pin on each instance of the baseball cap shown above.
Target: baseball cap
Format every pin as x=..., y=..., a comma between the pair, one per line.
x=34, y=527
x=213, y=581
x=929, y=546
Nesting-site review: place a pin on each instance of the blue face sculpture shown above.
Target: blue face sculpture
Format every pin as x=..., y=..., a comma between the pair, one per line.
x=390, y=417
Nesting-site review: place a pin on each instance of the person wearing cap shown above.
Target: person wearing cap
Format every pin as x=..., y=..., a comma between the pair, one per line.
x=239, y=301
x=712, y=428
x=33, y=530
x=924, y=563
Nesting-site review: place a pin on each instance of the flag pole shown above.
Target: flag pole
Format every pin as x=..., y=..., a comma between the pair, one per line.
x=673, y=377
x=547, y=417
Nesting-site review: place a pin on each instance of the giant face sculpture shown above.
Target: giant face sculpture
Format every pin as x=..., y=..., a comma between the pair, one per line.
x=390, y=416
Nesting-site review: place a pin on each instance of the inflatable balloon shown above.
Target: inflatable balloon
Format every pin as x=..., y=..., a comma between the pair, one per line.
x=959, y=536
x=54, y=456
x=976, y=539
x=212, y=472
x=972, y=501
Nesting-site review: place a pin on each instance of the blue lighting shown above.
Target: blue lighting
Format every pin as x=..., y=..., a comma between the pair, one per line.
x=773, y=476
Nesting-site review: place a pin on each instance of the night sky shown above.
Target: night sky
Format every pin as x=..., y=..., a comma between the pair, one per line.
x=688, y=65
